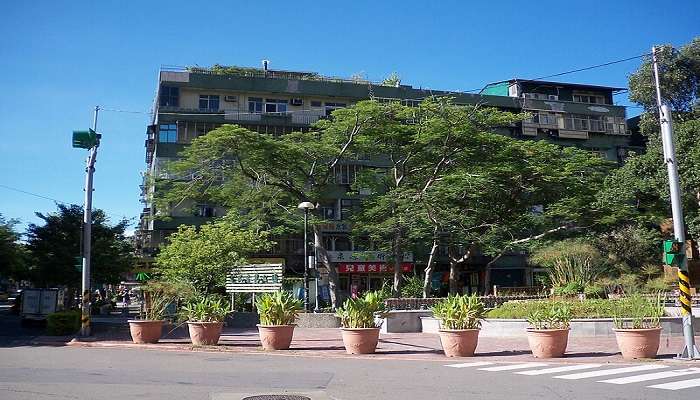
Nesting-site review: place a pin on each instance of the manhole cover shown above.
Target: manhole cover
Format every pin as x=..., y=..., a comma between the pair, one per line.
x=277, y=397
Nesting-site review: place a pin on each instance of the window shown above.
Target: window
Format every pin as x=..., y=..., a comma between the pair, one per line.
x=209, y=102
x=348, y=207
x=328, y=211
x=589, y=98
x=275, y=106
x=315, y=103
x=346, y=174
x=204, y=210
x=255, y=105
x=332, y=106
x=169, y=96
x=167, y=133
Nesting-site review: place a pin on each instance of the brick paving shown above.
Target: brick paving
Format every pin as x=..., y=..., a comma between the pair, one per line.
x=319, y=342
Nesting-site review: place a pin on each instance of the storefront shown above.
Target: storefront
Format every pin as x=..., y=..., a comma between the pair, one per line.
x=360, y=271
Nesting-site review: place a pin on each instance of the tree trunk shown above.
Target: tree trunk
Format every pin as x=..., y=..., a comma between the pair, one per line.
x=322, y=254
x=398, y=260
x=453, y=276
x=429, y=268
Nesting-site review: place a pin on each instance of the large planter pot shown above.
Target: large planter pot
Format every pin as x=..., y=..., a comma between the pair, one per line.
x=638, y=343
x=459, y=342
x=548, y=343
x=204, y=333
x=360, y=340
x=145, y=331
x=276, y=337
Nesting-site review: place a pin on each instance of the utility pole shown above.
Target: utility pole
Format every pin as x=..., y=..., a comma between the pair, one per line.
x=87, y=140
x=666, y=120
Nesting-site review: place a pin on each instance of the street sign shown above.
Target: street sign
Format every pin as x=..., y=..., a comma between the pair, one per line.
x=85, y=139
x=673, y=252
x=255, y=278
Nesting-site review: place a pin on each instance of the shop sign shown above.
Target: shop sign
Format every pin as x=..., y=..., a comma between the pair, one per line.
x=364, y=256
x=255, y=278
x=349, y=268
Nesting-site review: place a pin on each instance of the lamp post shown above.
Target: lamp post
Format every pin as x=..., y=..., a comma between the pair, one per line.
x=306, y=206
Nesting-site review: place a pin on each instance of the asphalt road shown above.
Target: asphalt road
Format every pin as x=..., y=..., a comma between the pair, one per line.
x=100, y=373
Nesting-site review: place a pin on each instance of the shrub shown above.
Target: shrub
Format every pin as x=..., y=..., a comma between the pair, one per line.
x=570, y=289
x=412, y=287
x=278, y=308
x=589, y=308
x=460, y=312
x=550, y=315
x=63, y=323
x=158, y=296
x=205, y=309
x=637, y=312
x=360, y=312
x=570, y=262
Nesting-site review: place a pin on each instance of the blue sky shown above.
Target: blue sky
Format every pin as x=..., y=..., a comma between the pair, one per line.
x=58, y=59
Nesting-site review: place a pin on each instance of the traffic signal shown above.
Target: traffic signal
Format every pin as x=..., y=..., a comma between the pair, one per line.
x=673, y=252
x=85, y=139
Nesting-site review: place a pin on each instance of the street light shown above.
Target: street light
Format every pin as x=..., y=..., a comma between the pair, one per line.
x=306, y=206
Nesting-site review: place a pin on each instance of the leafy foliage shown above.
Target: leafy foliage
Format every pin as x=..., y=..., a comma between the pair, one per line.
x=210, y=308
x=637, y=312
x=13, y=256
x=360, y=312
x=412, y=287
x=572, y=264
x=63, y=323
x=55, y=245
x=159, y=295
x=588, y=308
x=460, y=312
x=278, y=308
x=550, y=315
x=203, y=256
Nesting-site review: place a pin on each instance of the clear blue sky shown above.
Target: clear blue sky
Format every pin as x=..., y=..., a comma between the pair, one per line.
x=58, y=59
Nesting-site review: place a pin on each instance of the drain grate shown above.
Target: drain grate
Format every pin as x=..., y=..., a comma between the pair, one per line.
x=277, y=397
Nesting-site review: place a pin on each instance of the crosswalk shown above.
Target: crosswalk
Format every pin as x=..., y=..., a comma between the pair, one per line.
x=657, y=376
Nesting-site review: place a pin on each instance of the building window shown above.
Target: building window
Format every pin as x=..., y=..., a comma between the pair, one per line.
x=328, y=211
x=205, y=210
x=348, y=207
x=275, y=106
x=167, y=133
x=169, y=96
x=255, y=105
x=589, y=98
x=209, y=102
x=346, y=174
x=315, y=103
x=332, y=106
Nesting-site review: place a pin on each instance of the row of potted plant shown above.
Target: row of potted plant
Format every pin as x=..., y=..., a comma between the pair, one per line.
x=637, y=323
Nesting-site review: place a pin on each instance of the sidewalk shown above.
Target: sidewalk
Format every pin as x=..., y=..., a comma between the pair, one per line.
x=326, y=343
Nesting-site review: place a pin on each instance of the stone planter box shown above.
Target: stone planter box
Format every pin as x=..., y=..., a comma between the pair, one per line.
x=318, y=320
x=672, y=326
x=402, y=321
x=242, y=320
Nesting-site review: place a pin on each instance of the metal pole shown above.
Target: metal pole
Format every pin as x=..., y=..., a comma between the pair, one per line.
x=306, y=261
x=666, y=121
x=87, y=234
x=317, y=307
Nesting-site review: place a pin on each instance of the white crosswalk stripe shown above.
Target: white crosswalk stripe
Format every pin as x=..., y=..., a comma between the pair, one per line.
x=471, y=364
x=652, y=376
x=678, y=384
x=514, y=366
x=613, y=371
x=558, y=369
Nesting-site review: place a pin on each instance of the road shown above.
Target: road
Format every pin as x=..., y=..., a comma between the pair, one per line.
x=36, y=372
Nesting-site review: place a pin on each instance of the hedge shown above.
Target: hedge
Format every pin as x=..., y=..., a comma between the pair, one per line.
x=589, y=308
x=63, y=323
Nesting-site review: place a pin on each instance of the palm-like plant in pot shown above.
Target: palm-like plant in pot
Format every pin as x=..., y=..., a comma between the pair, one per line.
x=359, y=326
x=157, y=296
x=460, y=320
x=205, y=317
x=278, y=311
x=637, y=322
x=548, y=334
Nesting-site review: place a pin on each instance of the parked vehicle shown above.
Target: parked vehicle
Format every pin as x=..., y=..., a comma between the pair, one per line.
x=548, y=334
x=278, y=311
x=37, y=304
x=460, y=320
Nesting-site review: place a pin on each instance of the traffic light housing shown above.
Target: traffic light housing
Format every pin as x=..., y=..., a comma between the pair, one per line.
x=673, y=252
x=85, y=139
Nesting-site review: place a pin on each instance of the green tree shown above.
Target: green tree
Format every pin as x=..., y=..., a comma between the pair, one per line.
x=203, y=256
x=13, y=257
x=55, y=245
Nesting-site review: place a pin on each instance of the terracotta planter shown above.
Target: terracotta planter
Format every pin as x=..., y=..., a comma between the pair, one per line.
x=205, y=333
x=459, y=342
x=144, y=331
x=548, y=343
x=360, y=340
x=638, y=343
x=276, y=337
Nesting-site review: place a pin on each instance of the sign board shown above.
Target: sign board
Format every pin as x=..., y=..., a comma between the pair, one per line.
x=348, y=268
x=365, y=256
x=255, y=278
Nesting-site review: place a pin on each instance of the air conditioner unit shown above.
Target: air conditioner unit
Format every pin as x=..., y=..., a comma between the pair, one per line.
x=297, y=102
x=231, y=99
x=553, y=97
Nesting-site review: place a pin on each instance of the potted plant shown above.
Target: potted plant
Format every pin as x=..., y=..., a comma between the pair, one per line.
x=358, y=320
x=460, y=319
x=205, y=318
x=638, y=326
x=548, y=333
x=278, y=311
x=157, y=296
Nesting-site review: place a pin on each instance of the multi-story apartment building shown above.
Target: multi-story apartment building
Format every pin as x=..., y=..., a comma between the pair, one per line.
x=192, y=102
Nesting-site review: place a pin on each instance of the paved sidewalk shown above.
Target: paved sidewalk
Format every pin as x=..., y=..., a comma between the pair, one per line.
x=396, y=346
